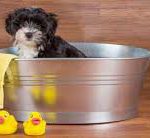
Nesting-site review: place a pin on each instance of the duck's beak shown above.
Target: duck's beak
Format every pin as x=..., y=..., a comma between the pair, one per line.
x=36, y=121
x=1, y=120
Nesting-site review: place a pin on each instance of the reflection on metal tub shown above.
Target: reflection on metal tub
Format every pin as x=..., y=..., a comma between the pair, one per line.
x=102, y=88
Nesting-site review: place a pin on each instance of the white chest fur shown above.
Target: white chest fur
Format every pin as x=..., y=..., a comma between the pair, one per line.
x=27, y=50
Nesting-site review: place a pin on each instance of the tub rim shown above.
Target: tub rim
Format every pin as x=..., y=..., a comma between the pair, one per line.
x=145, y=51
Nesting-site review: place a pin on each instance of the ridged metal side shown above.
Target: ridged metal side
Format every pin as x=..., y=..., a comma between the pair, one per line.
x=78, y=91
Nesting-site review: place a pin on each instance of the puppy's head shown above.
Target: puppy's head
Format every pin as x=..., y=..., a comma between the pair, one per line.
x=31, y=25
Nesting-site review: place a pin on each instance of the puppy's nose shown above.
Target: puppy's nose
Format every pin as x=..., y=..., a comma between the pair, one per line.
x=28, y=35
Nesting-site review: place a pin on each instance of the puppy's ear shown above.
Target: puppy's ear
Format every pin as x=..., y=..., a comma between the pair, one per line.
x=9, y=24
x=52, y=23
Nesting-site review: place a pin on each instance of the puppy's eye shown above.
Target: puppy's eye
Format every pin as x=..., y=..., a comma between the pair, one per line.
x=42, y=26
x=16, y=22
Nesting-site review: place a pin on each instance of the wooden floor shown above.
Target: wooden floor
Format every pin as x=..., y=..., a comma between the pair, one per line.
x=134, y=128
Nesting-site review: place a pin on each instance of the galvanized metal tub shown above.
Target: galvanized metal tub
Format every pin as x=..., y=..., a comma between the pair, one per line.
x=102, y=88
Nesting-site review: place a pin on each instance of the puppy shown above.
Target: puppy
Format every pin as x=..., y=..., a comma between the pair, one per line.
x=33, y=31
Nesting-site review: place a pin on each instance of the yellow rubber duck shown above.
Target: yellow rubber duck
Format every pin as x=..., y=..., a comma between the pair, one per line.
x=8, y=123
x=35, y=125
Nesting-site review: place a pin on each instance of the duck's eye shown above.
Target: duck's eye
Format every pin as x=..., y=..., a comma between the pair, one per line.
x=5, y=115
x=31, y=116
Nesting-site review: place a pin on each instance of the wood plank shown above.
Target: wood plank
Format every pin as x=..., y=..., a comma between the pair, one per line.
x=111, y=21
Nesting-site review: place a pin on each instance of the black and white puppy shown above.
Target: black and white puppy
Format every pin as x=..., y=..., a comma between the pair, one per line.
x=33, y=31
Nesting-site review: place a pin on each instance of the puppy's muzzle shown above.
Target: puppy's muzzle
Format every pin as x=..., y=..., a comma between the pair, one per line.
x=29, y=35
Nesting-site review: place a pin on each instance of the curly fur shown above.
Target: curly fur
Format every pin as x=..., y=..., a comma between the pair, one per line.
x=34, y=30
